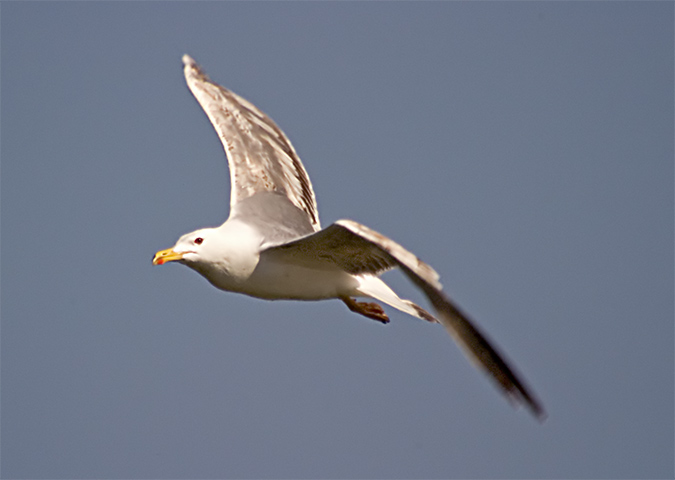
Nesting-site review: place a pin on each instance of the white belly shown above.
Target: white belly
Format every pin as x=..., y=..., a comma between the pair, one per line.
x=277, y=280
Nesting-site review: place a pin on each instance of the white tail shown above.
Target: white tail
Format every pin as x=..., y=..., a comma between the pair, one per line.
x=372, y=286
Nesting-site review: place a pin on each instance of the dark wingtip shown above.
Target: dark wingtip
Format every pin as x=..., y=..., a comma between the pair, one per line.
x=519, y=396
x=537, y=410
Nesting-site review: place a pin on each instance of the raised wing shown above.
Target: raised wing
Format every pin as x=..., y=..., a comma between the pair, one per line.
x=358, y=249
x=260, y=156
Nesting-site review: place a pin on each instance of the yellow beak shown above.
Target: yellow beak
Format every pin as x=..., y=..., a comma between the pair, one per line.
x=167, y=255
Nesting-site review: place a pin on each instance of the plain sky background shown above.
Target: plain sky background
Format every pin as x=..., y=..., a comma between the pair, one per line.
x=524, y=149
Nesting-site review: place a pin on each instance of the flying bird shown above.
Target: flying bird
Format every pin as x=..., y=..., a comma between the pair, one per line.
x=272, y=245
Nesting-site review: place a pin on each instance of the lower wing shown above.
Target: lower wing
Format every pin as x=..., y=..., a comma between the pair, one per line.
x=356, y=249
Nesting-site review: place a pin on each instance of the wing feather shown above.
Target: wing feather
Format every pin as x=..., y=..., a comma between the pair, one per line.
x=260, y=156
x=358, y=249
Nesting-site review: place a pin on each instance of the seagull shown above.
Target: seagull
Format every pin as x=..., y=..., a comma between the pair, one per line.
x=272, y=245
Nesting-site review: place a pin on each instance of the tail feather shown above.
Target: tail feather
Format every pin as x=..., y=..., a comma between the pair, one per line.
x=373, y=287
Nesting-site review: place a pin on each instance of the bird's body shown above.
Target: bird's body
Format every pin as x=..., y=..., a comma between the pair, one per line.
x=272, y=246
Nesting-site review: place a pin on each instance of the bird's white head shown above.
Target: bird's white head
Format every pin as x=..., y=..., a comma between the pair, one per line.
x=225, y=256
x=191, y=249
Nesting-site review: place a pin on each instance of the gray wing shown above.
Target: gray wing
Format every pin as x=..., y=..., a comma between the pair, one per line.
x=260, y=156
x=358, y=249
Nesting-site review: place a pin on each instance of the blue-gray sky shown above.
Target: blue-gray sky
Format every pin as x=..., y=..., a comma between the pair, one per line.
x=524, y=149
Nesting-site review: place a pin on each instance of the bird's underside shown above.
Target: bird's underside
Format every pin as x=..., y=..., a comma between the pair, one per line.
x=273, y=238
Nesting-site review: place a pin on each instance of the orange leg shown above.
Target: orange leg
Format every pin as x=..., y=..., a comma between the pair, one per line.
x=367, y=309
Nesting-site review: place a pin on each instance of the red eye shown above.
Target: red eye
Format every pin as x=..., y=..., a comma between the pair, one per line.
x=199, y=240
